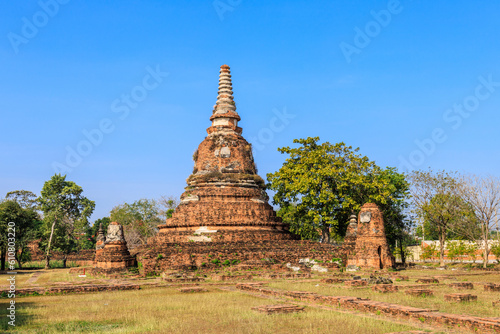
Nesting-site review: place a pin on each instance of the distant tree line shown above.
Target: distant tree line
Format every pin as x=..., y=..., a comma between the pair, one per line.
x=58, y=220
x=316, y=190
x=321, y=184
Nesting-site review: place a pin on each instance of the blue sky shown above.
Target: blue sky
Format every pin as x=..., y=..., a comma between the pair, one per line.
x=413, y=84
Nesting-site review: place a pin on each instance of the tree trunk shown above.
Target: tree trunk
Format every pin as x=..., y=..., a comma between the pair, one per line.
x=19, y=257
x=64, y=260
x=403, y=258
x=325, y=234
x=486, y=252
x=47, y=257
x=442, y=237
x=3, y=254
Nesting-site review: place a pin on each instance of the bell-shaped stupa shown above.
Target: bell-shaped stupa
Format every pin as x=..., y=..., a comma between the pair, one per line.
x=225, y=199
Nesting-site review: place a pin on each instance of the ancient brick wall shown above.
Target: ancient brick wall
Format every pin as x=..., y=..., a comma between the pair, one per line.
x=193, y=255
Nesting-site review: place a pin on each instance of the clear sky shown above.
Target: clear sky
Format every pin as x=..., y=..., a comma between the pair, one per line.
x=118, y=94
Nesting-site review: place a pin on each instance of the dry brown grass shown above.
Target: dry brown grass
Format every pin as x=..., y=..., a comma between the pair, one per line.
x=165, y=310
x=481, y=307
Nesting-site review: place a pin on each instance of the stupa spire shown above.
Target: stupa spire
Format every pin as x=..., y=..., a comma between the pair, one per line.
x=224, y=195
x=224, y=115
x=225, y=99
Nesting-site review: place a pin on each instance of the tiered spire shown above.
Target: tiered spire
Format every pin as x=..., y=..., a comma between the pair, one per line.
x=225, y=100
x=224, y=113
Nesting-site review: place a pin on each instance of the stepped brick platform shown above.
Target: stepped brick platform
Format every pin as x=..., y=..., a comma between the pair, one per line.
x=332, y=280
x=491, y=287
x=420, y=292
x=385, y=288
x=271, y=309
x=371, y=248
x=249, y=286
x=193, y=289
x=427, y=280
x=231, y=277
x=183, y=279
x=460, y=297
x=357, y=282
x=286, y=276
x=461, y=286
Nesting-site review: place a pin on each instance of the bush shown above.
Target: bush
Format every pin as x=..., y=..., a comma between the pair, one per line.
x=455, y=249
x=470, y=250
x=495, y=250
x=429, y=252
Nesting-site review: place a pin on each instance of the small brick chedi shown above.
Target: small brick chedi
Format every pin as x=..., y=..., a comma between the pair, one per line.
x=371, y=248
x=225, y=199
x=112, y=251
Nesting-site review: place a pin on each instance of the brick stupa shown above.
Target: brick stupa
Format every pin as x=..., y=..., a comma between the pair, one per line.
x=371, y=249
x=111, y=251
x=225, y=199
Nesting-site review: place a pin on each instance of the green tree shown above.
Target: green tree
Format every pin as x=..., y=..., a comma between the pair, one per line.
x=482, y=195
x=320, y=185
x=455, y=249
x=24, y=228
x=436, y=200
x=66, y=213
x=495, y=250
x=25, y=198
x=429, y=252
x=166, y=206
x=139, y=219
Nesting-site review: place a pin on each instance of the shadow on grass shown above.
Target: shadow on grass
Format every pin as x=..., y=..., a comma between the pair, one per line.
x=21, y=316
x=24, y=322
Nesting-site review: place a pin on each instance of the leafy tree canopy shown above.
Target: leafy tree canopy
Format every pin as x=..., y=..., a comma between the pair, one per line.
x=66, y=213
x=25, y=224
x=320, y=185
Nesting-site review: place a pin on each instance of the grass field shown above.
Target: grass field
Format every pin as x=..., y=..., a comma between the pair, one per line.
x=165, y=310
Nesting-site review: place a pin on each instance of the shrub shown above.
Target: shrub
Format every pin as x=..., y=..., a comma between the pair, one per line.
x=495, y=250
x=470, y=250
x=429, y=252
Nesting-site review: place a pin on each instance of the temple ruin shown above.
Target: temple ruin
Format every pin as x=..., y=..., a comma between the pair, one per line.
x=370, y=248
x=111, y=251
x=225, y=199
x=224, y=217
